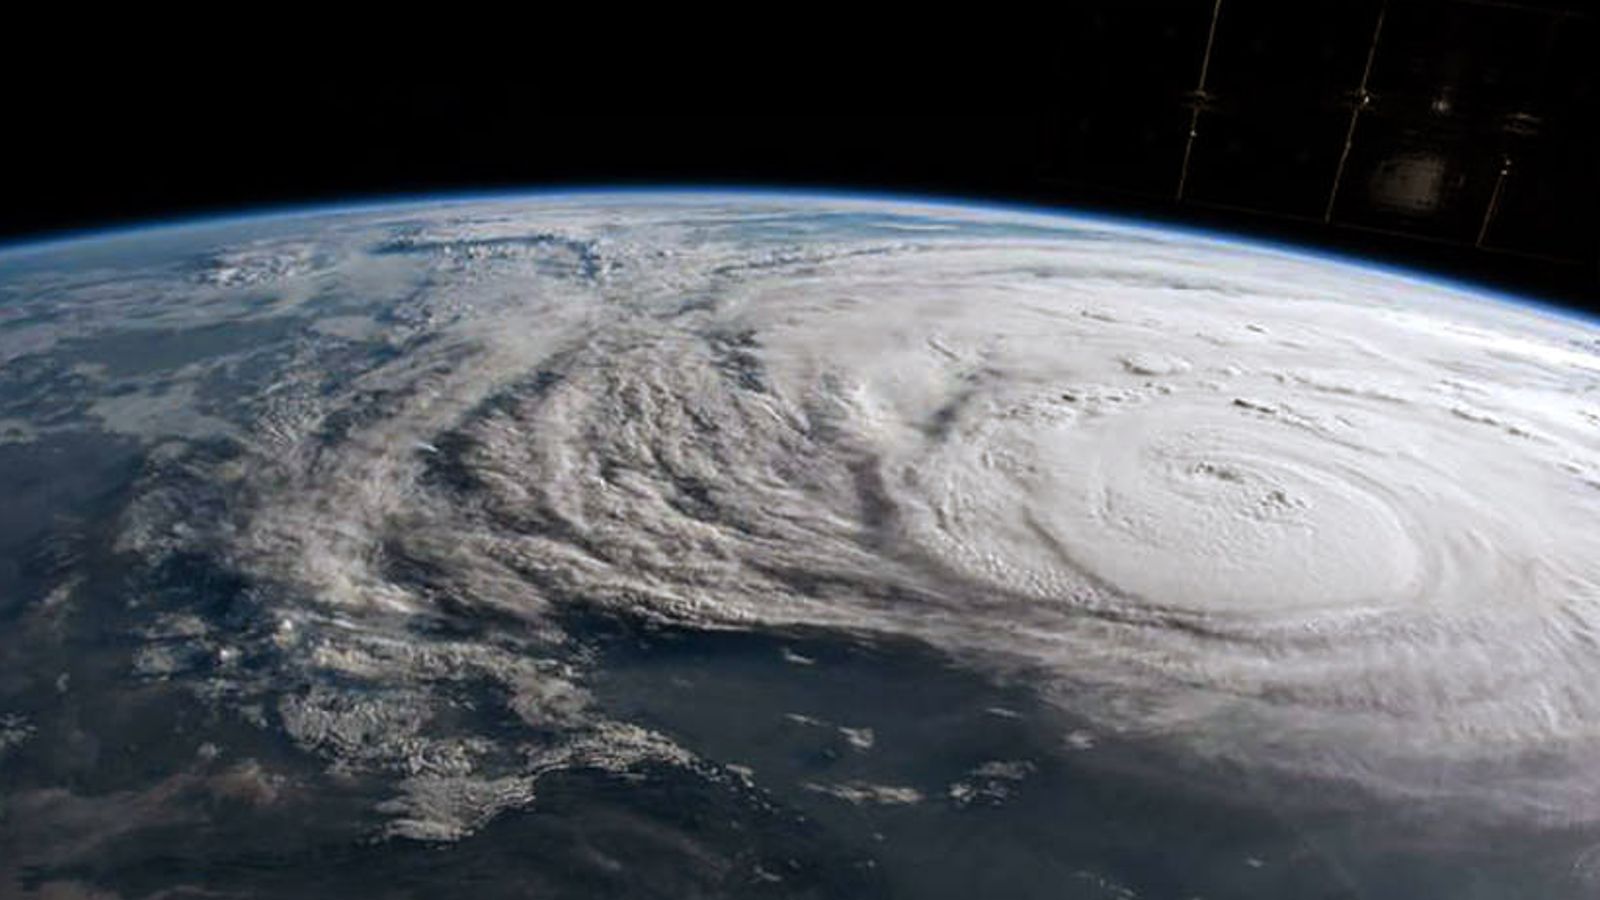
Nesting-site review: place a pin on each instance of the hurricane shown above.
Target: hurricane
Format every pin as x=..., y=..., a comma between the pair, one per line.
x=1292, y=517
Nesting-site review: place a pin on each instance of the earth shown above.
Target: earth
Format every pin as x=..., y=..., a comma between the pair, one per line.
x=695, y=544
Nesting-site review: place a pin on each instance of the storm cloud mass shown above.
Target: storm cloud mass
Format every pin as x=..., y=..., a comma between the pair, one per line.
x=1273, y=513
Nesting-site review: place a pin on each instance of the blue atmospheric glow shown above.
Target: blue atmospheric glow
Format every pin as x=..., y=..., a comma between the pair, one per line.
x=376, y=204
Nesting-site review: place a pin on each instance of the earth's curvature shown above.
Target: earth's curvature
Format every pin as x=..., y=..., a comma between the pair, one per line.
x=699, y=544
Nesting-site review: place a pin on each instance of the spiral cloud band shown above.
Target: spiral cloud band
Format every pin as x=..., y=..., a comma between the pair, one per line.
x=1274, y=510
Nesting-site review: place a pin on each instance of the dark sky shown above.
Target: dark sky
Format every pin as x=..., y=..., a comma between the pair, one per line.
x=172, y=139
x=1090, y=112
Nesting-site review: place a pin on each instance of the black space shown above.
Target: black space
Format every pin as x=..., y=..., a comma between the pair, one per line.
x=1090, y=111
